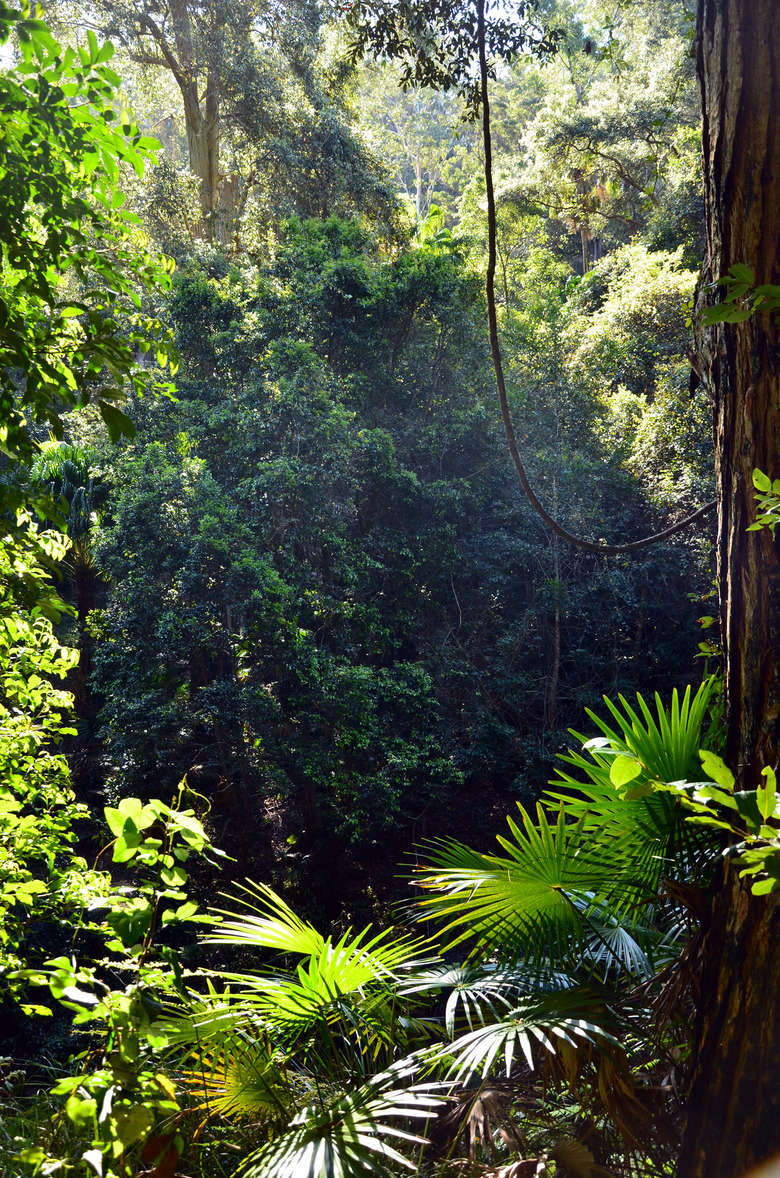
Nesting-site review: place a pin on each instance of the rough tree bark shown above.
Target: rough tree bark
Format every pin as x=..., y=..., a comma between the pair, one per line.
x=733, y=1119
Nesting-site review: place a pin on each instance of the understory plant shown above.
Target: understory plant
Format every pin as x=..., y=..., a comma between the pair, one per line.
x=543, y=1019
x=540, y=1018
x=121, y=1107
x=43, y=880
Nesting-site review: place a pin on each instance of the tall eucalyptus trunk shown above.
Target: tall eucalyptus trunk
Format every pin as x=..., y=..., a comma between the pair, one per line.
x=219, y=195
x=203, y=147
x=733, y=1119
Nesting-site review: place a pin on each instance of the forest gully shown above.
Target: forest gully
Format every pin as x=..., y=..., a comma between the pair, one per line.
x=389, y=634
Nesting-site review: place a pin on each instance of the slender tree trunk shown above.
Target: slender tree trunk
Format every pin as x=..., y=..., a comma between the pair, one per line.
x=181, y=49
x=584, y=243
x=418, y=187
x=733, y=1120
x=85, y=581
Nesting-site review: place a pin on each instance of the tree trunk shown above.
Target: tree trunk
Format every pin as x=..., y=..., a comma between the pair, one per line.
x=733, y=1120
x=203, y=145
x=552, y=683
x=584, y=243
x=202, y=125
x=85, y=582
x=418, y=188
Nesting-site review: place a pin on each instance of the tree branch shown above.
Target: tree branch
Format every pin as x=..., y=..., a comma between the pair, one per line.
x=142, y=58
x=170, y=59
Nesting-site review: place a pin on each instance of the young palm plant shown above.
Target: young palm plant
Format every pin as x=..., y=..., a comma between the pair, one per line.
x=573, y=910
x=322, y=1053
x=519, y=1030
x=341, y=1053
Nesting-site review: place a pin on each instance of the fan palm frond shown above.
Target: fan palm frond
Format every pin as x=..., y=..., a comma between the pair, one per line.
x=533, y=902
x=480, y=990
x=341, y=988
x=266, y=923
x=214, y=1018
x=650, y=829
x=621, y=945
x=342, y=1033
x=241, y=1079
x=327, y=990
x=346, y=1139
x=650, y=824
x=667, y=744
x=540, y=1020
x=353, y=961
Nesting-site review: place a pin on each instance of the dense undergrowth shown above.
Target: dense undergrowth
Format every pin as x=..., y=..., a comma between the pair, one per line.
x=305, y=616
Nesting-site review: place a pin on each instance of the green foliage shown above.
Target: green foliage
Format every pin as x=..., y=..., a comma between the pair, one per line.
x=75, y=272
x=747, y=816
x=633, y=323
x=345, y=983
x=618, y=797
x=626, y=336
x=75, y=264
x=611, y=149
x=578, y=903
x=415, y=133
x=322, y=589
x=665, y=746
x=560, y=936
x=742, y=297
x=62, y=472
x=310, y=1049
x=767, y=502
x=240, y=680
x=561, y=932
x=43, y=880
x=345, y=1138
x=285, y=1045
x=347, y=604
x=276, y=138
x=517, y=904
x=121, y=1103
x=446, y=60
x=547, y=1020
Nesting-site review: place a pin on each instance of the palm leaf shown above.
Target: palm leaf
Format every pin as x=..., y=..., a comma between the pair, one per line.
x=532, y=902
x=539, y=1020
x=346, y=1139
x=481, y=990
x=617, y=944
x=267, y=923
x=666, y=744
x=352, y=962
x=650, y=825
x=214, y=1019
x=336, y=1004
x=241, y=1080
x=326, y=987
